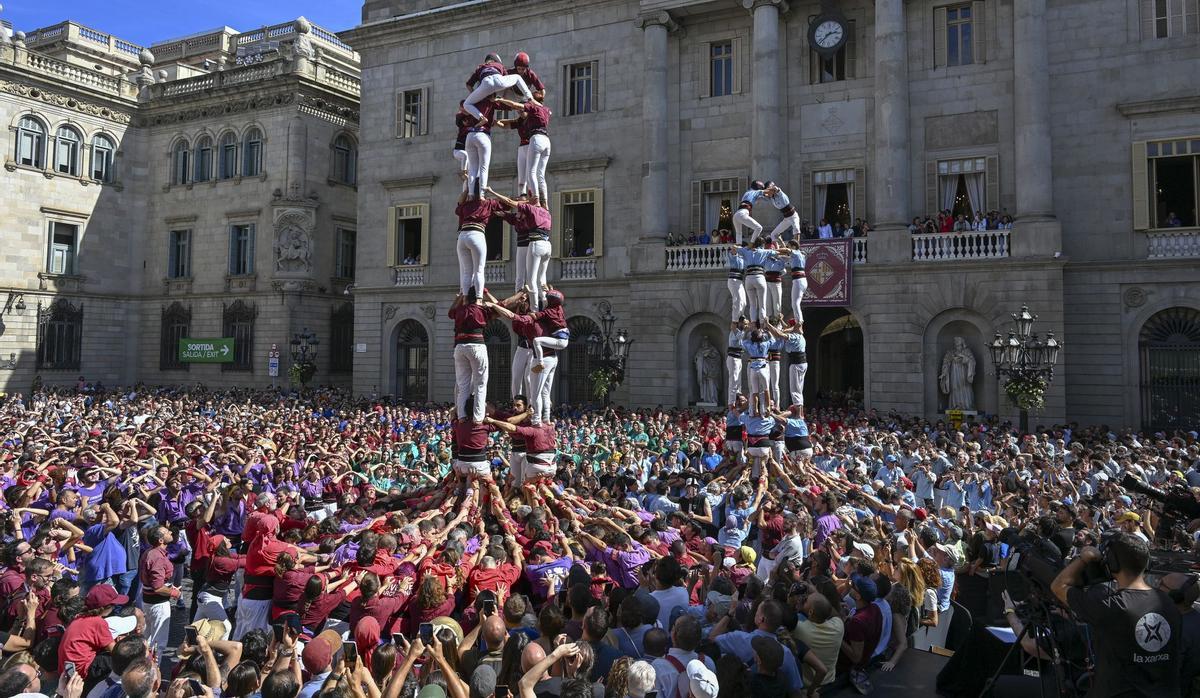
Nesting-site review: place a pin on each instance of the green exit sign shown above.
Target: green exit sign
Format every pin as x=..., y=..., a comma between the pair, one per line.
x=213, y=350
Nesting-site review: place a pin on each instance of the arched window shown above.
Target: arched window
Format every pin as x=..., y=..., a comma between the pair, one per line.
x=575, y=365
x=499, y=349
x=227, y=169
x=180, y=161
x=31, y=142
x=103, y=150
x=175, y=325
x=204, y=159
x=237, y=320
x=1169, y=345
x=66, y=151
x=345, y=160
x=412, y=362
x=252, y=152
x=60, y=336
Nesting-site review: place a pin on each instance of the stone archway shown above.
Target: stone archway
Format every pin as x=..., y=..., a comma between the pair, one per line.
x=836, y=357
x=691, y=337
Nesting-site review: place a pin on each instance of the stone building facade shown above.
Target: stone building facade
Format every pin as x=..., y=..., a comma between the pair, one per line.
x=1080, y=120
x=201, y=187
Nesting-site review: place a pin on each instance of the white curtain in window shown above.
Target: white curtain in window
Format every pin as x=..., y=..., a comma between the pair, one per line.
x=975, y=191
x=822, y=196
x=947, y=188
x=712, y=212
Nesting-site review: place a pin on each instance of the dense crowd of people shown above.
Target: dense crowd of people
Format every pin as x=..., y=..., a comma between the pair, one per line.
x=320, y=545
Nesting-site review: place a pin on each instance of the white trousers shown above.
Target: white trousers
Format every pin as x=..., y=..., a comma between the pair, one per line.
x=522, y=169
x=756, y=296
x=539, y=158
x=792, y=221
x=470, y=379
x=733, y=369
x=490, y=86
x=521, y=385
x=252, y=614
x=540, y=343
x=759, y=379
x=743, y=219
x=516, y=467
x=536, y=265
x=478, y=468
x=543, y=385
x=158, y=625
x=472, y=257
x=796, y=382
x=522, y=266
x=461, y=157
x=535, y=469
x=774, y=298
x=737, y=297
x=773, y=380
x=479, y=159
x=799, y=286
x=212, y=607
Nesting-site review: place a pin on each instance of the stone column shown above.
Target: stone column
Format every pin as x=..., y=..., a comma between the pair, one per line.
x=767, y=136
x=890, y=177
x=649, y=248
x=655, y=94
x=296, y=158
x=1036, y=232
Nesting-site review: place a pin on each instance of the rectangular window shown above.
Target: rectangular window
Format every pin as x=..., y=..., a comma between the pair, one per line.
x=720, y=68
x=494, y=234
x=840, y=66
x=29, y=148
x=179, y=256
x=203, y=163
x=241, y=249
x=102, y=158
x=64, y=246
x=229, y=160
x=242, y=332
x=1162, y=19
x=959, y=35
x=410, y=116
x=406, y=245
x=174, y=327
x=579, y=224
x=341, y=339
x=347, y=241
x=60, y=336
x=582, y=88
x=1174, y=182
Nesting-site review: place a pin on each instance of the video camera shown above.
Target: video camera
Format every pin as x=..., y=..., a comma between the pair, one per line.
x=1177, y=500
x=1035, y=562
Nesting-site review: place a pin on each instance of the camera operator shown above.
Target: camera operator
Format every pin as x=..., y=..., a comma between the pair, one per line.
x=1135, y=628
x=1184, y=590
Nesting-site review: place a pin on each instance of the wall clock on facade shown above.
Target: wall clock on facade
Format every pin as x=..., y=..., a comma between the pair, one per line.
x=828, y=32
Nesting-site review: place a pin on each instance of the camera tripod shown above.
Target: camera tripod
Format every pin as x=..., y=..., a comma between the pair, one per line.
x=1064, y=688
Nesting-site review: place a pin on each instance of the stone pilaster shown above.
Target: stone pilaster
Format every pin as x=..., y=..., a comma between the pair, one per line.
x=1036, y=233
x=890, y=176
x=656, y=28
x=768, y=137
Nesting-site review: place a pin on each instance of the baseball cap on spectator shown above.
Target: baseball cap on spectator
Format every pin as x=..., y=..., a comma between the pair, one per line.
x=891, y=458
x=769, y=653
x=103, y=595
x=949, y=551
x=318, y=653
x=1126, y=500
x=120, y=625
x=1129, y=516
x=920, y=513
x=701, y=681
x=866, y=588
x=483, y=682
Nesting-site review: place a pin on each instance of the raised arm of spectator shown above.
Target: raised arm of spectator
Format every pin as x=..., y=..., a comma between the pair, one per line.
x=537, y=671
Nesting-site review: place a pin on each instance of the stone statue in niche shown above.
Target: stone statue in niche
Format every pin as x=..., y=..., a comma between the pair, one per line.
x=957, y=376
x=293, y=250
x=708, y=372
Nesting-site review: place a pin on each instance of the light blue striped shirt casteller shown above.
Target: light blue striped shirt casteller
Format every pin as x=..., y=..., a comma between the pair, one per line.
x=751, y=196
x=735, y=260
x=780, y=200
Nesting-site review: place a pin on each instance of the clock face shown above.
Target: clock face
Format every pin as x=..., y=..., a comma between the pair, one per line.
x=829, y=33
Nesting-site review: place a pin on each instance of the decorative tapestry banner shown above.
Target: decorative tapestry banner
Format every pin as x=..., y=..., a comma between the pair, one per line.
x=827, y=263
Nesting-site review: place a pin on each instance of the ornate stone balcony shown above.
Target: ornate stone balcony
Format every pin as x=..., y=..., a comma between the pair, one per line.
x=953, y=247
x=1173, y=244
x=577, y=269
x=410, y=275
x=495, y=273
x=69, y=73
x=97, y=40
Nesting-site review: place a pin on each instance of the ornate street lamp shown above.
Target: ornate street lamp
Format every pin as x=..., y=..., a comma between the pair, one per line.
x=1026, y=362
x=304, y=356
x=609, y=352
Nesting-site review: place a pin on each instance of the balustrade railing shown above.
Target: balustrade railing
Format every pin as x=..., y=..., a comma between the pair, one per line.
x=495, y=273
x=1167, y=244
x=949, y=247
x=577, y=269
x=859, y=251
x=74, y=73
x=413, y=275
x=696, y=257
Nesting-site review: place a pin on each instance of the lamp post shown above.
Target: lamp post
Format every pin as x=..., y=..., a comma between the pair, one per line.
x=304, y=356
x=1024, y=360
x=609, y=351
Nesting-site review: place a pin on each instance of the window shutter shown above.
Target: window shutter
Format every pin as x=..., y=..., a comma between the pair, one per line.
x=1141, y=187
x=399, y=113
x=595, y=86
x=860, y=193
x=851, y=49
x=736, y=65
x=939, y=37
x=992, y=184
x=392, y=231
x=697, y=204
x=424, y=115
x=978, y=31
x=232, y=249
x=704, y=69
x=506, y=242
x=556, y=226
x=253, y=235
x=598, y=213
x=932, y=202
x=424, y=234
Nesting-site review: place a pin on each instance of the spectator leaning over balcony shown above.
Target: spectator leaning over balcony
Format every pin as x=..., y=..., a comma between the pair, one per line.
x=824, y=230
x=961, y=224
x=704, y=238
x=915, y=227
